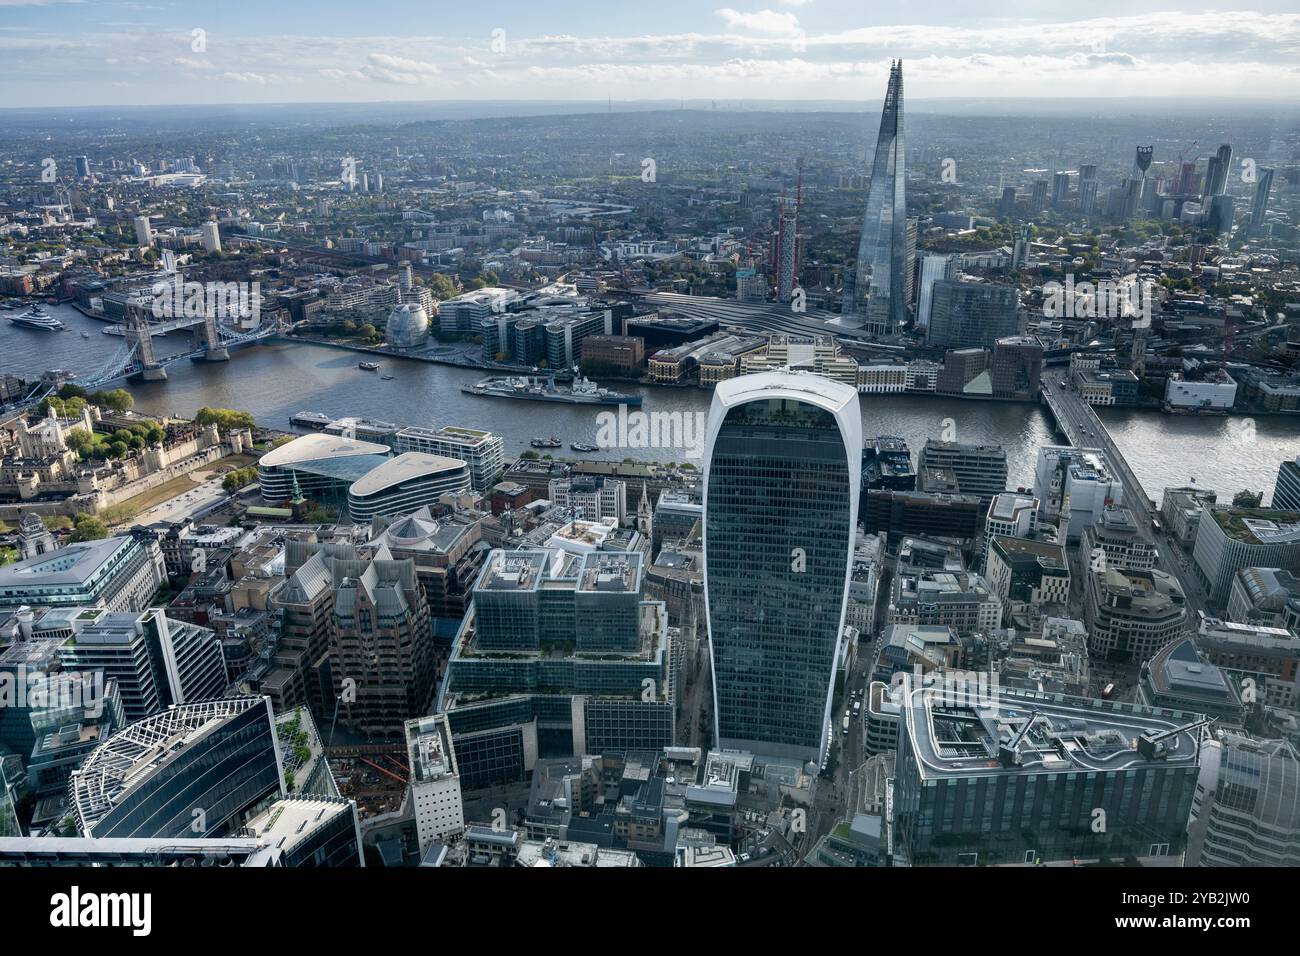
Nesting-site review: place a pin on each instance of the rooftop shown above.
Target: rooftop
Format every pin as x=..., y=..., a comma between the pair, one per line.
x=395, y=471
x=319, y=446
x=132, y=755
x=1046, y=733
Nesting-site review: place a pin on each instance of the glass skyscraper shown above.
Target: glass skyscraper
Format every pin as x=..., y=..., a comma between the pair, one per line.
x=878, y=295
x=780, y=508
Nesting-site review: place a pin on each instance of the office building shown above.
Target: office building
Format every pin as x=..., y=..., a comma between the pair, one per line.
x=407, y=326
x=309, y=831
x=1263, y=661
x=1001, y=775
x=971, y=314
x=559, y=654
x=1286, y=492
x=887, y=463
x=1132, y=614
x=1229, y=539
x=898, y=514
x=1179, y=677
x=482, y=451
x=320, y=468
x=1016, y=367
x=1246, y=811
x=193, y=770
x=381, y=654
x=1027, y=573
x=782, y=463
x=980, y=470
x=933, y=268
x=1116, y=536
x=156, y=661
x=963, y=602
x=593, y=497
x=121, y=573
x=1077, y=484
x=1266, y=596
x=405, y=484
x=1011, y=515
x=1181, y=510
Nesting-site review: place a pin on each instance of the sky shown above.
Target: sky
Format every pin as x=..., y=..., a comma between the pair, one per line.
x=138, y=52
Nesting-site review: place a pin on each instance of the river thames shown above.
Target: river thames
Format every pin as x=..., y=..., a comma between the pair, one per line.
x=274, y=381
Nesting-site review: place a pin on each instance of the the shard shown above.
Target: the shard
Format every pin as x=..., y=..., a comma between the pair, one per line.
x=875, y=295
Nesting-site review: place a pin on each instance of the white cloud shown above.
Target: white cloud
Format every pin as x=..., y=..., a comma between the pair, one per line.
x=763, y=21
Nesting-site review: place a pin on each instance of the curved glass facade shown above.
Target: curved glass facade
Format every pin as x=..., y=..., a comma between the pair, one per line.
x=408, y=326
x=779, y=519
x=222, y=775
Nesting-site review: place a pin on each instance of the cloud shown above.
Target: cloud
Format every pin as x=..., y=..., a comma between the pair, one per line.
x=384, y=68
x=763, y=21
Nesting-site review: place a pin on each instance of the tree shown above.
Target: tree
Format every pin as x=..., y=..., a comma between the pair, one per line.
x=119, y=400
x=88, y=528
x=78, y=439
x=224, y=418
x=1247, y=499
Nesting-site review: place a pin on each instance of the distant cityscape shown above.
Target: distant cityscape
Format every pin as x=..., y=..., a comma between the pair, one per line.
x=756, y=631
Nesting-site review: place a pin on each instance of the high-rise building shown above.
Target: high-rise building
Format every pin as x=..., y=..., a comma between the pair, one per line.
x=933, y=268
x=192, y=770
x=1216, y=178
x=877, y=295
x=780, y=508
x=787, y=240
x=1246, y=811
x=435, y=781
x=972, y=314
x=1038, y=196
x=1286, y=492
x=1087, y=188
x=211, y=237
x=1229, y=539
x=1007, y=204
x=1259, y=205
x=1016, y=367
x=381, y=644
x=157, y=661
x=995, y=775
x=1060, y=188
x=143, y=231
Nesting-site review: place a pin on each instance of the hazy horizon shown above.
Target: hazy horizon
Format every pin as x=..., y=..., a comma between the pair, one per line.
x=61, y=54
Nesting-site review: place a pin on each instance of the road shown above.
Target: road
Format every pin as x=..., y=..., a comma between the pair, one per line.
x=1084, y=429
x=196, y=503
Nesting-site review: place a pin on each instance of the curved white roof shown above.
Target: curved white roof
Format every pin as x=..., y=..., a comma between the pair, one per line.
x=804, y=386
x=411, y=464
x=317, y=446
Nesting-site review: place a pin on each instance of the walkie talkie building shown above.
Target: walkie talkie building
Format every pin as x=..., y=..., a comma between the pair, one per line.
x=780, y=507
x=875, y=295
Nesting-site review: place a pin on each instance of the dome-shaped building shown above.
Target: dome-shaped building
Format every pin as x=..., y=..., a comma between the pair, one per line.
x=408, y=326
